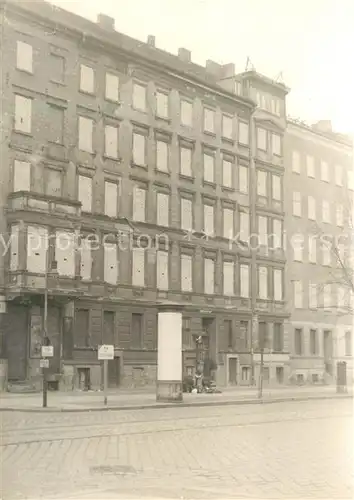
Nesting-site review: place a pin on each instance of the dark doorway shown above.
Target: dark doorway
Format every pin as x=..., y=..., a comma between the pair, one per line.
x=279, y=373
x=233, y=371
x=16, y=328
x=137, y=331
x=114, y=373
x=108, y=328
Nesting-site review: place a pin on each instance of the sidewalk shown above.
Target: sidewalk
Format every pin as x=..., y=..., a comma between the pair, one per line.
x=134, y=400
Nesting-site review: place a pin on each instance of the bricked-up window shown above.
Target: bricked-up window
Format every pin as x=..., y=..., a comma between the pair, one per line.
x=111, y=141
x=312, y=296
x=22, y=176
x=138, y=267
x=137, y=333
x=228, y=223
x=244, y=226
x=37, y=241
x=209, y=276
x=297, y=209
x=24, y=57
x=313, y=342
x=243, y=179
x=263, y=282
x=339, y=215
x=262, y=183
x=312, y=249
x=186, y=273
x=55, y=117
x=87, y=79
x=243, y=133
x=209, y=219
x=57, y=68
x=276, y=144
x=186, y=113
x=53, y=180
x=229, y=278
x=110, y=263
x=338, y=169
x=324, y=171
x=296, y=166
x=298, y=294
x=86, y=259
x=348, y=343
x=23, y=114
x=85, y=193
x=298, y=341
x=139, y=204
x=261, y=139
x=111, y=198
x=162, y=105
x=85, y=134
x=186, y=214
x=209, y=167
x=162, y=275
x=82, y=328
x=245, y=280
x=139, y=97
x=112, y=87
x=276, y=187
x=227, y=126
x=209, y=120
x=326, y=212
x=139, y=149
x=186, y=161
x=14, y=248
x=278, y=339
x=311, y=207
x=278, y=284
x=65, y=253
x=226, y=173
x=326, y=254
x=163, y=209
x=162, y=155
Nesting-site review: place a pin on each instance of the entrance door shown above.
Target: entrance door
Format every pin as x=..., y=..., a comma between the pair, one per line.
x=16, y=333
x=233, y=371
x=114, y=373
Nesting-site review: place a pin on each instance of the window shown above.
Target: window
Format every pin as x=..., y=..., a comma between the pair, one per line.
x=186, y=273
x=82, y=328
x=163, y=209
x=85, y=193
x=324, y=171
x=87, y=79
x=24, y=57
x=227, y=173
x=244, y=280
x=263, y=230
x=85, y=134
x=312, y=249
x=56, y=119
x=111, y=263
x=278, y=343
x=162, y=149
x=111, y=199
x=310, y=164
x=261, y=139
x=296, y=162
x=162, y=105
x=244, y=226
x=298, y=295
x=276, y=144
x=341, y=296
x=57, y=68
x=262, y=335
x=23, y=114
x=111, y=141
x=298, y=246
x=209, y=276
x=53, y=182
x=139, y=149
x=138, y=267
x=261, y=183
x=209, y=120
x=244, y=333
x=326, y=212
x=227, y=126
x=186, y=214
x=186, y=162
x=326, y=254
x=65, y=253
x=37, y=242
x=276, y=188
x=327, y=300
x=298, y=342
x=313, y=342
x=243, y=179
x=263, y=282
x=139, y=97
x=278, y=284
x=186, y=113
x=139, y=204
x=112, y=87
x=277, y=234
x=209, y=219
x=297, y=203
x=243, y=133
x=22, y=176
x=187, y=337
x=339, y=215
x=228, y=332
x=311, y=208
x=208, y=168
x=85, y=259
x=229, y=278
x=137, y=331
x=245, y=373
x=348, y=344
x=312, y=296
x=228, y=222
x=162, y=281
x=339, y=175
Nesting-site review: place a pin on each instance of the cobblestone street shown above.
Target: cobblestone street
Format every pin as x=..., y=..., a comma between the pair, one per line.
x=286, y=450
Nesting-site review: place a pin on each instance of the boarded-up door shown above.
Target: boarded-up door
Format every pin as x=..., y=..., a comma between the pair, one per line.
x=16, y=333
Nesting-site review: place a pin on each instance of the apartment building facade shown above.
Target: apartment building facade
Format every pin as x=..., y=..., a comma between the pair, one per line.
x=127, y=172
x=319, y=204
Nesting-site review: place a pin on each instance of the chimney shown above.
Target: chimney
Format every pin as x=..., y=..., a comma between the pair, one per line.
x=213, y=67
x=323, y=126
x=184, y=55
x=105, y=22
x=151, y=40
x=228, y=70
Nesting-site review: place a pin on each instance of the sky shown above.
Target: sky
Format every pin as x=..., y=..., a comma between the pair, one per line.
x=311, y=42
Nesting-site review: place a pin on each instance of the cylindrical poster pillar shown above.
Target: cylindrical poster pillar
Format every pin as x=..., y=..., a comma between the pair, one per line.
x=169, y=356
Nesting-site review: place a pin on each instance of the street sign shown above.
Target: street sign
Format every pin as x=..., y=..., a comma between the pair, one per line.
x=47, y=351
x=106, y=352
x=44, y=363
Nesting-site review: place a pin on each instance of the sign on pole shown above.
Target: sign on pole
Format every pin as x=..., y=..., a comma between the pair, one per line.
x=47, y=351
x=106, y=352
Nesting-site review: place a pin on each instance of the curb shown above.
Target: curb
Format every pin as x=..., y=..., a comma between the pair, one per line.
x=159, y=406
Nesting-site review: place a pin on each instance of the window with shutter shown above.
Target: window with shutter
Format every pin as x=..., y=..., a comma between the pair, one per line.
x=112, y=87
x=227, y=173
x=37, y=242
x=229, y=278
x=209, y=220
x=244, y=226
x=227, y=126
x=209, y=120
x=278, y=284
x=243, y=179
x=243, y=133
x=208, y=168
x=53, y=182
x=110, y=263
x=244, y=280
x=162, y=156
x=162, y=270
x=65, y=253
x=85, y=193
x=163, y=209
x=228, y=221
x=111, y=141
x=261, y=139
x=139, y=97
x=186, y=162
x=263, y=230
x=55, y=116
x=23, y=114
x=263, y=282
x=22, y=176
x=111, y=199
x=87, y=79
x=139, y=149
x=209, y=276
x=261, y=183
x=186, y=113
x=162, y=104
x=276, y=144
x=276, y=188
x=85, y=134
x=139, y=204
x=138, y=264
x=86, y=260
x=14, y=248
x=186, y=273
x=186, y=214
x=24, y=57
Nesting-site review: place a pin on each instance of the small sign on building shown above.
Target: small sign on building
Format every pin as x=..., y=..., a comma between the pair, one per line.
x=44, y=363
x=47, y=351
x=106, y=352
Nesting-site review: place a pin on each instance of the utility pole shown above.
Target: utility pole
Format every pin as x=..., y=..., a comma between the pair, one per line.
x=45, y=323
x=260, y=385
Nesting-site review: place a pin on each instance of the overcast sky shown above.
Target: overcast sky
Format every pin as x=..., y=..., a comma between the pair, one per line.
x=310, y=41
